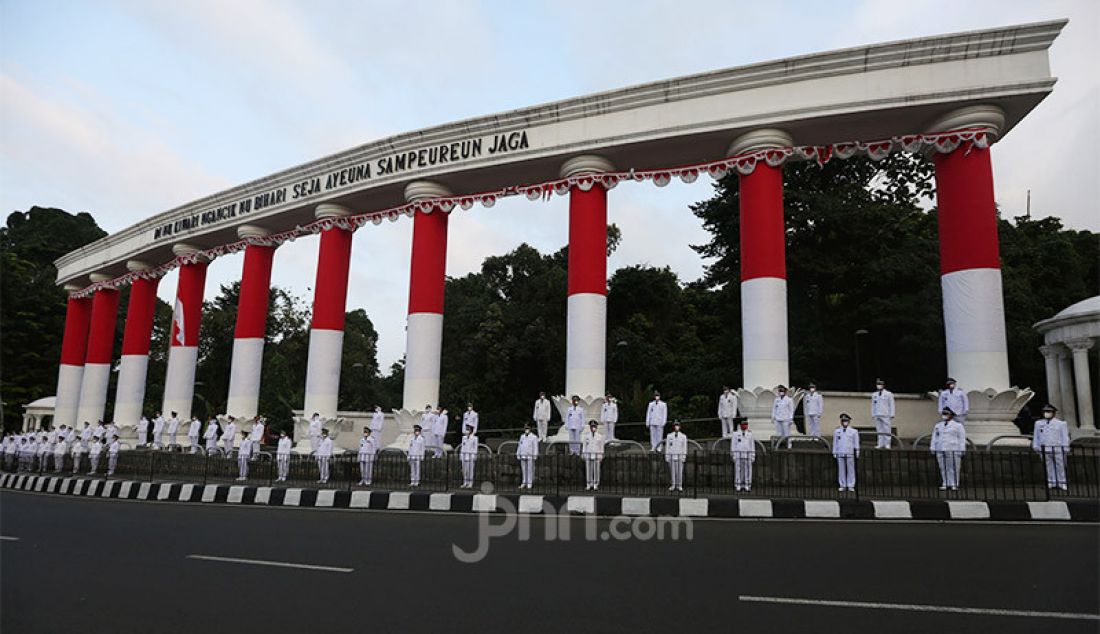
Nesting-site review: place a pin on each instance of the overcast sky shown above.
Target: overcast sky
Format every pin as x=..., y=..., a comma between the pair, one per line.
x=126, y=109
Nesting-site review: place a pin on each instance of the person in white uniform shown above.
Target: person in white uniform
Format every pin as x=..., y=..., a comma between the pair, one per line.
x=194, y=430
x=242, y=456
x=656, y=415
x=324, y=455
x=45, y=452
x=27, y=450
x=468, y=456
x=1051, y=439
x=609, y=415
x=439, y=431
x=676, y=456
x=143, y=431
x=882, y=410
x=956, y=399
x=743, y=452
x=783, y=414
x=59, y=453
x=416, y=455
x=846, y=450
x=229, y=436
x=727, y=410
x=78, y=451
x=86, y=435
x=112, y=455
x=813, y=406
x=592, y=444
x=541, y=415
x=94, y=453
x=259, y=428
x=282, y=456
x=158, y=431
x=377, y=423
x=368, y=449
x=173, y=428
x=469, y=417
x=314, y=432
x=527, y=452
x=948, y=445
x=427, y=424
x=100, y=432
x=211, y=435
x=574, y=423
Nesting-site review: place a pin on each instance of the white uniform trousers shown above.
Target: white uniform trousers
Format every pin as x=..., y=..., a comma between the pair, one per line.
x=592, y=471
x=437, y=440
x=676, y=473
x=610, y=430
x=1054, y=459
x=527, y=467
x=228, y=444
x=112, y=462
x=314, y=442
x=76, y=462
x=211, y=445
x=95, y=464
x=322, y=468
x=366, y=469
x=58, y=462
x=283, y=461
x=813, y=425
x=242, y=465
x=727, y=428
x=171, y=439
x=949, y=462
x=846, y=471
x=882, y=426
x=541, y=427
x=255, y=450
x=574, y=441
x=468, y=465
x=414, y=470
x=742, y=471
x=194, y=443
x=783, y=430
x=157, y=437
x=654, y=437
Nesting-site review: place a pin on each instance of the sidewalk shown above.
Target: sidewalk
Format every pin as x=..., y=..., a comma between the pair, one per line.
x=601, y=505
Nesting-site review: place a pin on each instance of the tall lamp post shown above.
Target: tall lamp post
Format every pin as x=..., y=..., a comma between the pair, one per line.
x=859, y=375
x=621, y=348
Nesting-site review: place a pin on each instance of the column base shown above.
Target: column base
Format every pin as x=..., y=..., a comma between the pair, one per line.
x=756, y=406
x=993, y=412
x=593, y=407
x=301, y=434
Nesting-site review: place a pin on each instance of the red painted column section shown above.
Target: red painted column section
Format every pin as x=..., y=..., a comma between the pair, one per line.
x=763, y=235
x=134, y=365
x=189, y=293
x=427, y=276
x=967, y=211
x=74, y=347
x=588, y=241
x=97, y=361
x=179, y=383
x=333, y=264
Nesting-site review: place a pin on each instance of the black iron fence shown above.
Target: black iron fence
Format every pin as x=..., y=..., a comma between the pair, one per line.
x=1006, y=475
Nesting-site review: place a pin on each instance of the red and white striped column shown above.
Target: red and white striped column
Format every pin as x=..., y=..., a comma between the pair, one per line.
x=248, y=338
x=183, y=353
x=763, y=266
x=74, y=347
x=97, y=361
x=136, y=337
x=586, y=317
x=427, y=280
x=970, y=259
x=326, y=335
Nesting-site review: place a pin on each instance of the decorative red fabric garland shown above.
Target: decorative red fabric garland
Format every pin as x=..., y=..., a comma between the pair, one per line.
x=943, y=142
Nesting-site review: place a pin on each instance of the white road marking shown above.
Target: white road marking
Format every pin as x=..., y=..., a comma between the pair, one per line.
x=5, y=538
x=920, y=608
x=262, y=562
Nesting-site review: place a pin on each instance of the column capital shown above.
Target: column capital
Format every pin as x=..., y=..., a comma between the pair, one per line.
x=136, y=266
x=100, y=277
x=1052, y=351
x=252, y=231
x=1082, y=344
x=72, y=288
x=761, y=139
x=331, y=210
x=590, y=163
x=419, y=190
x=987, y=116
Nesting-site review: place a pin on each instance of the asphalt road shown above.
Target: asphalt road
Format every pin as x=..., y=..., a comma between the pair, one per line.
x=92, y=565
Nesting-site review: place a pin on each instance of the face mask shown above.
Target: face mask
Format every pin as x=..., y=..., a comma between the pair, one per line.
x=943, y=417
x=1048, y=415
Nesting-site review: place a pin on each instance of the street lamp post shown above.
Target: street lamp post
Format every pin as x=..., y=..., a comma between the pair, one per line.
x=859, y=376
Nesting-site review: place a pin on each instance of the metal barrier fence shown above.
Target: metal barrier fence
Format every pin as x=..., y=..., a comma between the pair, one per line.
x=899, y=474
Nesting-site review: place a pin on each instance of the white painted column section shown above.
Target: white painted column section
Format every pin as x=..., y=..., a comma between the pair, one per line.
x=97, y=363
x=1051, y=353
x=134, y=364
x=183, y=353
x=1067, y=406
x=586, y=336
x=424, y=332
x=764, y=331
x=74, y=347
x=248, y=337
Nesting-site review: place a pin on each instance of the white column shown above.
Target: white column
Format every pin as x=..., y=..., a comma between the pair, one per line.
x=1080, y=348
x=1067, y=407
x=1050, y=361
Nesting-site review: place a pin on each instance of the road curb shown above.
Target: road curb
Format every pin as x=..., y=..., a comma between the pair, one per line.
x=604, y=505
